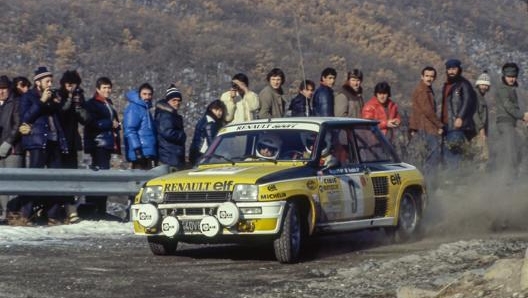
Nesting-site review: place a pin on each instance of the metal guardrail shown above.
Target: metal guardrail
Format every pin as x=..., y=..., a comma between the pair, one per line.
x=49, y=182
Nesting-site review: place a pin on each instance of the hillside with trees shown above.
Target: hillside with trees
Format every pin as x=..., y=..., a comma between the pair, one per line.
x=200, y=44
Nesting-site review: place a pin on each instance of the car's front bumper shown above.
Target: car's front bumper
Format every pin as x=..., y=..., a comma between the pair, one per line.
x=190, y=219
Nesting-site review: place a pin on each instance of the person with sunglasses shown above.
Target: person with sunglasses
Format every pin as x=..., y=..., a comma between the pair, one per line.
x=268, y=146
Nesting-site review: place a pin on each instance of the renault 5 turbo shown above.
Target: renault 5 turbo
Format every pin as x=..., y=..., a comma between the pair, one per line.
x=283, y=181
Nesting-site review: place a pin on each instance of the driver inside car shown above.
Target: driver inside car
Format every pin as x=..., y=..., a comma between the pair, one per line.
x=268, y=147
x=308, y=142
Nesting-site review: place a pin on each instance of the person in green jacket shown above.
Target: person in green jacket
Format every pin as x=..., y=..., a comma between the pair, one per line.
x=508, y=113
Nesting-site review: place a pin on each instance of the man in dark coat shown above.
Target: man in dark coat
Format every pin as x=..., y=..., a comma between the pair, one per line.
x=171, y=134
x=459, y=103
x=101, y=138
x=43, y=137
x=301, y=105
x=71, y=114
x=323, y=101
x=10, y=149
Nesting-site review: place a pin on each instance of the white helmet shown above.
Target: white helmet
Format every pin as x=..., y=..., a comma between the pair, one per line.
x=269, y=143
x=308, y=140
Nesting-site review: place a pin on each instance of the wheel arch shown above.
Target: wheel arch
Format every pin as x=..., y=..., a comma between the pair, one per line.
x=306, y=212
x=418, y=190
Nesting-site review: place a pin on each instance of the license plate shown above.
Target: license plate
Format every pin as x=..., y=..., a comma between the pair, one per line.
x=191, y=225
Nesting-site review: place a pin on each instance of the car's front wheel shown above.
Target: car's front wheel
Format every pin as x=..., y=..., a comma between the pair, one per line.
x=409, y=218
x=162, y=246
x=288, y=246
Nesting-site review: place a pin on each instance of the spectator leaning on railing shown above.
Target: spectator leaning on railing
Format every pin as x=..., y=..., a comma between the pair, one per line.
x=10, y=150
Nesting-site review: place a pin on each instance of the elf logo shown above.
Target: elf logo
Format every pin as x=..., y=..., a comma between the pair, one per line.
x=395, y=179
x=144, y=216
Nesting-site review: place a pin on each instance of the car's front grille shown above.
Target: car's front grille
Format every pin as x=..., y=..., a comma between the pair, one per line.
x=192, y=211
x=197, y=196
x=381, y=186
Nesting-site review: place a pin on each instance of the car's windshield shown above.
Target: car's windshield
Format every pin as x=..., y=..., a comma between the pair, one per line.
x=263, y=145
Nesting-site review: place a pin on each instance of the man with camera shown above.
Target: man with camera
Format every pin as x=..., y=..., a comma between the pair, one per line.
x=42, y=137
x=241, y=103
x=71, y=114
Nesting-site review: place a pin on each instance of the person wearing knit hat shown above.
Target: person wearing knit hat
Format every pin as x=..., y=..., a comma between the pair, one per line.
x=483, y=79
x=479, y=145
x=172, y=92
x=170, y=128
x=43, y=137
x=508, y=113
x=41, y=72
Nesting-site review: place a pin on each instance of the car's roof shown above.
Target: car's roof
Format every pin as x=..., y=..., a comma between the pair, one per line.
x=312, y=120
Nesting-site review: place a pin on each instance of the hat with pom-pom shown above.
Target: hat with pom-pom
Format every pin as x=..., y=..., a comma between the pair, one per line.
x=483, y=79
x=172, y=92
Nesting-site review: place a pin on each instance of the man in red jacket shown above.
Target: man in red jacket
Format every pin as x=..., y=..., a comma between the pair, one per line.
x=380, y=107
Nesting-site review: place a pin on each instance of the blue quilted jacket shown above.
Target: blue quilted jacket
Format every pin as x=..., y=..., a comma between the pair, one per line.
x=139, y=129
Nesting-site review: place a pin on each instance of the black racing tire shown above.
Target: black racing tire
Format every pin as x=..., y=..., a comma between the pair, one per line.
x=287, y=246
x=162, y=246
x=409, y=219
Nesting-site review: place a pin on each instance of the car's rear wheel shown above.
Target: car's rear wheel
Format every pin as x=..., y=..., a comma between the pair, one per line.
x=288, y=246
x=162, y=246
x=409, y=218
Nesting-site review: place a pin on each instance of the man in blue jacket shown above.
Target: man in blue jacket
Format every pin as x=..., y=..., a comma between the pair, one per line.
x=44, y=138
x=139, y=130
x=323, y=100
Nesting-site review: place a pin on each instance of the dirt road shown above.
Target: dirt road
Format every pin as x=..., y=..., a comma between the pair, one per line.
x=349, y=265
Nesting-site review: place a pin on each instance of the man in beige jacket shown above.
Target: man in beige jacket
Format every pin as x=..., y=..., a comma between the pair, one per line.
x=271, y=98
x=349, y=101
x=241, y=103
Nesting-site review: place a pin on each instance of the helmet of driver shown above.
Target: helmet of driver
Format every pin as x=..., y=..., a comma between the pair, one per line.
x=268, y=146
x=308, y=140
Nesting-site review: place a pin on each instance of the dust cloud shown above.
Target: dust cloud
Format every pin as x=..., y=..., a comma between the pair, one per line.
x=475, y=201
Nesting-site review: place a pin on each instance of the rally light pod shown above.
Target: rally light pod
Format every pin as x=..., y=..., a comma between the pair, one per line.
x=228, y=214
x=209, y=226
x=170, y=226
x=148, y=215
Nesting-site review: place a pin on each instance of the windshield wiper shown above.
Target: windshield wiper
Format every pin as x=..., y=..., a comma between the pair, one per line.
x=253, y=157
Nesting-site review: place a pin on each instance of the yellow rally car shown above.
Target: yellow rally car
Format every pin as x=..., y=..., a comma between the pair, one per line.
x=281, y=181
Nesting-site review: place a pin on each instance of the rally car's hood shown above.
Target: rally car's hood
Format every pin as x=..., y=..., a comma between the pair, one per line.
x=222, y=177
